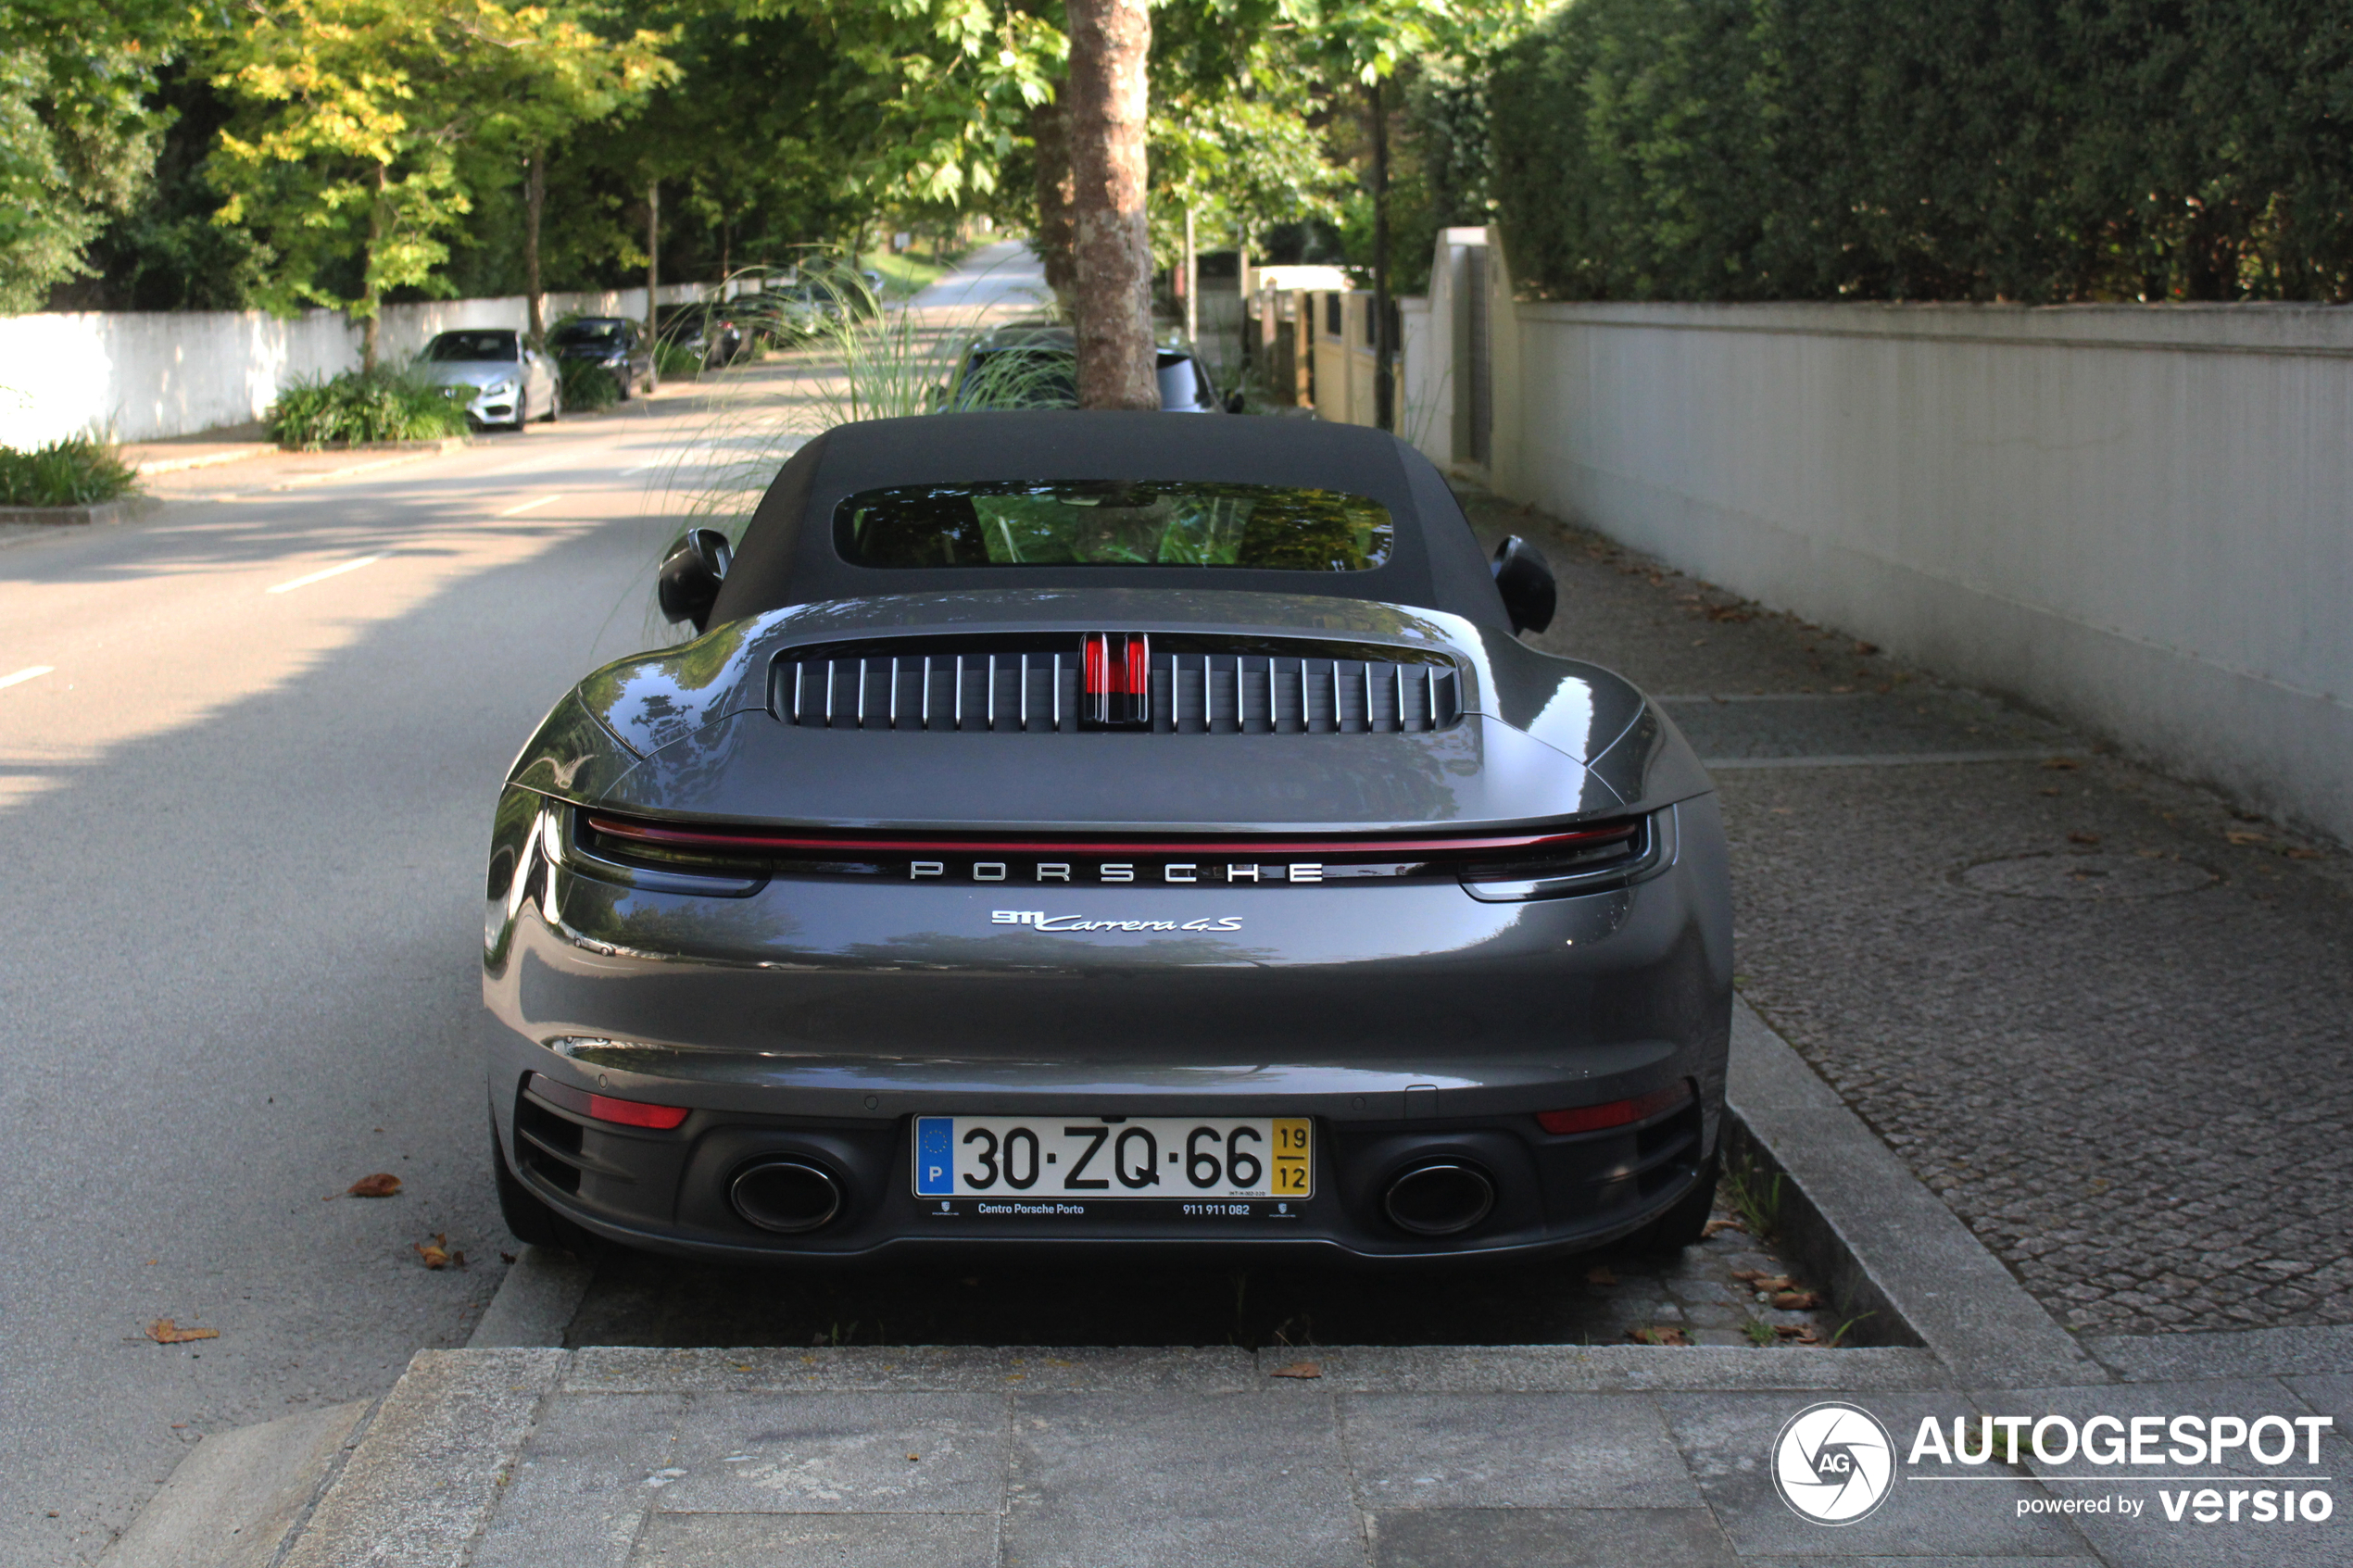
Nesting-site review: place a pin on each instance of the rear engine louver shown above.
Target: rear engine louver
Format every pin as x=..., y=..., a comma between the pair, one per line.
x=1042, y=691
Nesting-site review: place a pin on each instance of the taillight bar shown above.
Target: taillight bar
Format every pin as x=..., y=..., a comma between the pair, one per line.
x=628, y=830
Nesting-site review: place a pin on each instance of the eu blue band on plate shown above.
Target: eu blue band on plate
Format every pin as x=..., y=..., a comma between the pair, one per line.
x=934, y=1156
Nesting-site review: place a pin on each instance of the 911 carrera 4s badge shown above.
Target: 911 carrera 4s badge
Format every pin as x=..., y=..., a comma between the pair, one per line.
x=1038, y=919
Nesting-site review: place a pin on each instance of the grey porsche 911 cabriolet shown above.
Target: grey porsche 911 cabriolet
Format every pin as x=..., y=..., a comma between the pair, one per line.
x=1100, y=830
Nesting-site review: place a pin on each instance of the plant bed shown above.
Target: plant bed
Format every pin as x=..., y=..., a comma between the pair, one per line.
x=69, y=476
x=366, y=410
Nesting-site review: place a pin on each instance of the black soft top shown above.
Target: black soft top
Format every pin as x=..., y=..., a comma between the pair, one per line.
x=787, y=556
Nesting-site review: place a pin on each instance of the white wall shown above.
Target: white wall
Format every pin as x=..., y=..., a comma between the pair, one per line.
x=149, y=374
x=2140, y=518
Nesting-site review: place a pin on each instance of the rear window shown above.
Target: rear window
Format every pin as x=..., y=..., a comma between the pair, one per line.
x=590, y=332
x=472, y=345
x=1150, y=522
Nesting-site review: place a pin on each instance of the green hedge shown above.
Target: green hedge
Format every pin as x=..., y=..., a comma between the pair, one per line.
x=357, y=407
x=2030, y=150
x=79, y=472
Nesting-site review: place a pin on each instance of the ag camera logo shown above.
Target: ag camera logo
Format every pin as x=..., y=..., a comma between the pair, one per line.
x=1833, y=1463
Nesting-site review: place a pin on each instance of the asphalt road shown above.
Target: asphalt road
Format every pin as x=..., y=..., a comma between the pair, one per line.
x=244, y=812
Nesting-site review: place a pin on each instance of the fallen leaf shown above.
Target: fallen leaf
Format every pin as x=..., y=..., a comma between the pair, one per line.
x=1796, y=1301
x=437, y=1252
x=506, y=1257
x=2301, y=854
x=1730, y=612
x=1600, y=1275
x=383, y=1183
x=1714, y=1225
x=2082, y=836
x=2064, y=763
x=1297, y=1369
x=2046, y=792
x=912, y=1459
x=1841, y=691
x=163, y=1331
x=1761, y=1278
x=1661, y=1334
x=1798, y=1333
x=1867, y=650
x=2245, y=837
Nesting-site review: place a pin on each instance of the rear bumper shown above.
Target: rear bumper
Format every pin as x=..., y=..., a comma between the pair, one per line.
x=666, y=1192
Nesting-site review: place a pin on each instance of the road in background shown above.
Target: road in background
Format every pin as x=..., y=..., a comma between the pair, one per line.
x=1005, y=274
x=244, y=794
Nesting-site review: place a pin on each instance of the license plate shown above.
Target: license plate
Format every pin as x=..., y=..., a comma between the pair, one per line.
x=1178, y=1157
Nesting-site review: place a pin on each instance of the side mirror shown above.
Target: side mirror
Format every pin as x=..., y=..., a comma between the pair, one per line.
x=1233, y=402
x=1525, y=579
x=691, y=572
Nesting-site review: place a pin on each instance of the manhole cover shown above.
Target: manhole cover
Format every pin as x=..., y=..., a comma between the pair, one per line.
x=2096, y=875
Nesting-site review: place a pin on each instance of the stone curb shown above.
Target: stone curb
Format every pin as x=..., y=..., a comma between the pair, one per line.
x=534, y=1303
x=235, y=1499
x=1858, y=1217
x=206, y=459
x=438, y=443
x=422, y=1484
x=99, y=512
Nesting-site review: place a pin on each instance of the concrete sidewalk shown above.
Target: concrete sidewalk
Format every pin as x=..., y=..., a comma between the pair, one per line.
x=941, y=1457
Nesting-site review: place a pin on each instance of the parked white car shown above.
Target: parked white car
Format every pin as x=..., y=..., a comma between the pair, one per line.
x=512, y=382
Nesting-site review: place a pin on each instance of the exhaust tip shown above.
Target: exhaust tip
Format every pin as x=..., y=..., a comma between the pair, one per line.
x=1440, y=1199
x=786, y=1196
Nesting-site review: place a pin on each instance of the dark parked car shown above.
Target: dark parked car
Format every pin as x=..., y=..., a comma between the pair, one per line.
x=1035, y=364
x=1107, y=829
x=614, y=342
x=705, y=329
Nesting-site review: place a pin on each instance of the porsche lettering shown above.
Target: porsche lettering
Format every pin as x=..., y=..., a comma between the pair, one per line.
x=1178, y=874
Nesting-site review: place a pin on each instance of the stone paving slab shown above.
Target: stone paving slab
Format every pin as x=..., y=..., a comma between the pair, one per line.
x=1606, y=1368
x=1512, y=1452
x=1558, y=1538
x=1100, y=1481
x=850, y=1540
x=925, y=1367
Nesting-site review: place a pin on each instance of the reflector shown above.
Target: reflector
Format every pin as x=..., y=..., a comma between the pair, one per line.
x=1614, y=1113
x=604, y=1108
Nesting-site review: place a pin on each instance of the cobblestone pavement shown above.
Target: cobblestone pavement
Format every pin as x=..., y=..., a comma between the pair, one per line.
x=1704, y=1295
x=2107, y=1018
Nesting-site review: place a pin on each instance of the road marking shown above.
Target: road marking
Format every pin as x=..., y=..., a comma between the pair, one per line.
x=322, y=576
x=30, y=673
x=528, y=506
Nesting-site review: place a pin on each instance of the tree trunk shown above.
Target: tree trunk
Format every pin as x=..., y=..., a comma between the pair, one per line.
x=1242, y=292
x=653, y=277
x=535, y=202
x=1109, y=42
x=370, y=295
x=1054, y=196
x=1384, y=351
x=1192, y=283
